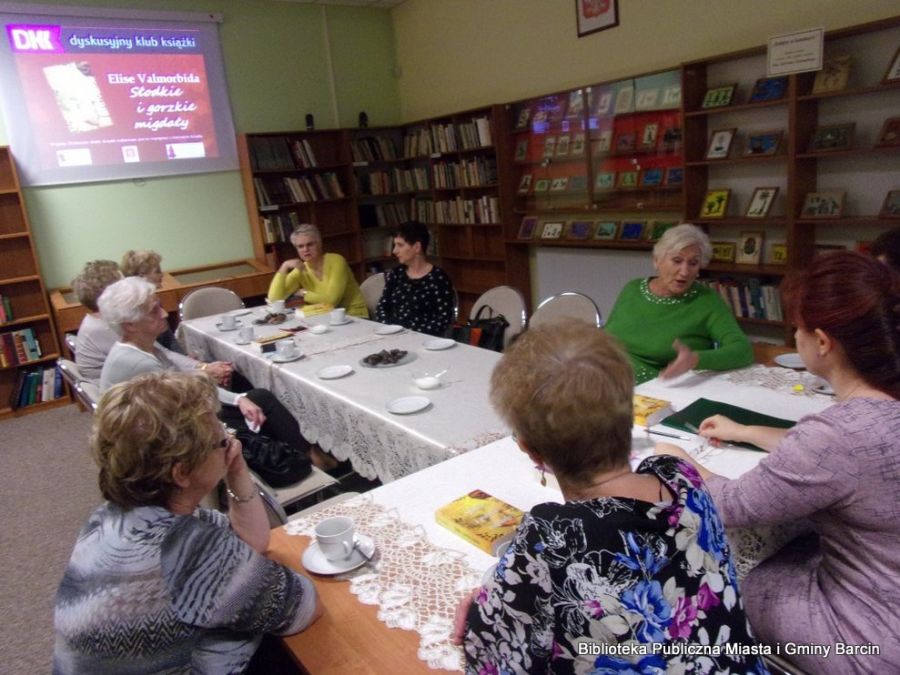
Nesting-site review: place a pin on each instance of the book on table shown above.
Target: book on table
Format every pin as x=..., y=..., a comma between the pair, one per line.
x=649, y=411
x=693, y=415
x=481, y=519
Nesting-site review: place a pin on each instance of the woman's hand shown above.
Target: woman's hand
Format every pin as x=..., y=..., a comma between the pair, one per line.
x=220, y=371
x=235, y=466
x=722, y=428
x=459, y=619
x=288, y=265
x=684, y=361
x=251, y=412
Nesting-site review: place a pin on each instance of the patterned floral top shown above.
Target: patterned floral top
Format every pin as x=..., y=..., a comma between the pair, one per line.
x=616, y=585
x=424, y=304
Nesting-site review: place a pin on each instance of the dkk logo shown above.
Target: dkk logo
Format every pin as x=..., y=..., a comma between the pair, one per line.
x=34, y=38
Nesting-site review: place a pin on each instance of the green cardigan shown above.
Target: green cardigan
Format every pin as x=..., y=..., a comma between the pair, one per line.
x=646, y=325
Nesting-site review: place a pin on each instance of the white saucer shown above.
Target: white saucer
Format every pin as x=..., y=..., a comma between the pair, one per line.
x=314, y=560
x=822, y=387
x=286, y=359
x=438, y=344
x=407, y=405
x=790, y=361
x=228, y=330
x=318, y=329
x=388, y=329
x=346, y=320
x=333, y=372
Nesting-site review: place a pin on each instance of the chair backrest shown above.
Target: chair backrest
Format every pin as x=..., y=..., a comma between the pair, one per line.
x=71, y=339
x=568, y=305
x=372, y=288
x=207, y=301
x=89, y=393
x=70, y=372
x=507, y=301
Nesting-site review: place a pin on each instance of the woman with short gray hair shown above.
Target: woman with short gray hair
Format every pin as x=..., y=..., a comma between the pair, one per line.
x=670, y=324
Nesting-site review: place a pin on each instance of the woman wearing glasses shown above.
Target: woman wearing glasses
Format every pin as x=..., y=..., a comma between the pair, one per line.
x=156, y=583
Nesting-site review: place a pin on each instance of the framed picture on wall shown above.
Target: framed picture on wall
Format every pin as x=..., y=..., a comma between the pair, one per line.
x=579, y=229
x=633, y=230
x=723, y=251
x=891, y=206
x=606, y=229
x=605, y=180
x=769, y=89
x=524, y=184
x=596, y=15
x=675, y=175
x=890, y=133
x=834, y=76
x=715, y=204
x=827, y=204
x=893, y=71
x=718, y=97
x=720, y=143
x=526, y=229
x=749, y=249
x=763, y=143
x=778, y=254
x=552, y=229
x=832, y=137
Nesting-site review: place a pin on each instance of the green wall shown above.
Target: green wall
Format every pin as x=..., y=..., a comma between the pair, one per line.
x=278, y=70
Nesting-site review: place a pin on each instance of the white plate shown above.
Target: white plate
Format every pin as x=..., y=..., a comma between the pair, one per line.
x=439, y=343
x=316, y=562
x=388, y=329
x=277, y=358
x=333, y=372
x=406, y=359
x=407, y=405
x=346, y=320
x=237, y=324
x=790, y=361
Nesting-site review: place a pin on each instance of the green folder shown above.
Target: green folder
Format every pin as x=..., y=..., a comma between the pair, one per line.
x=702, y=408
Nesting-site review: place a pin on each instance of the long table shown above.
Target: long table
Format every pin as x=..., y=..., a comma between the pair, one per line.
x=422, y=569
x=347, y=416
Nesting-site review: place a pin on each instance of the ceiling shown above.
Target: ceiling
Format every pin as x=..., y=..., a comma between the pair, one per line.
x=355, y=3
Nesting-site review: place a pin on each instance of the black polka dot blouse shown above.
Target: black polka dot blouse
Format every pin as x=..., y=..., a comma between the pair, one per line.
x=425, y=304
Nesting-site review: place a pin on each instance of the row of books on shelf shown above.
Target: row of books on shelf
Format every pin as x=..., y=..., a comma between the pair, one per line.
x=393, y=181
x=373, y=149
x=467, y=173
x=6, y=310
x=297, y=189
x=484, y=210
x=749, y=298
x=37, y=385
x=278, y=153
x=448, y=137
x=18, y=347
x=390, y=214
x=277, y=227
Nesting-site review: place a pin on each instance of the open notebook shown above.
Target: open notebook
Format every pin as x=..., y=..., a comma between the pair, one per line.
x=702, y=408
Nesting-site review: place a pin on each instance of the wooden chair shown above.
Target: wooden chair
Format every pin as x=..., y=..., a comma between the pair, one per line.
x=207, y=301
x=372, y=288
x=507, y=301
x=565, y=306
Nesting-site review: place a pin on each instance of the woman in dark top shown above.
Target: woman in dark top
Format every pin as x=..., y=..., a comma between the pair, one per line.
x=417, y=294
x=632, y=573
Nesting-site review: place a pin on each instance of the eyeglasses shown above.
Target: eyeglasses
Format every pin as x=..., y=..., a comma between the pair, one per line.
x=225, y=442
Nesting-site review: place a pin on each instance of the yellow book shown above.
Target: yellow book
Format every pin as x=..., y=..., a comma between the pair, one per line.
x=482, y=520
x=649, y=411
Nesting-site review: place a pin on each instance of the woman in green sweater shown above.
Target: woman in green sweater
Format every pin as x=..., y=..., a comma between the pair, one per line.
x=317, y=276
x=670, y=324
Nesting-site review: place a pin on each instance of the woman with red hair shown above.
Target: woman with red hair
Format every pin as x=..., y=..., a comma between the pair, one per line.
x=840, y=469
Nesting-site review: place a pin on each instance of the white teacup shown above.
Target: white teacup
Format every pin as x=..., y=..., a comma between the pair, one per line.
x=245, y=334
x=335, y=537
x=338, y=315
x=276, y=305
x=285, y=348
x=227, y=321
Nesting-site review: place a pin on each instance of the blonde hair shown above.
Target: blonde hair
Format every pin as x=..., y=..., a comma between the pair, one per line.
x=566, y=391
x=147, y=425
x=680, y=237
x=140, y=263
x=93, y=280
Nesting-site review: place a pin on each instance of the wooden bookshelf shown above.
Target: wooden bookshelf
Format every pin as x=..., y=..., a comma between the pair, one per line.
x=21, y=284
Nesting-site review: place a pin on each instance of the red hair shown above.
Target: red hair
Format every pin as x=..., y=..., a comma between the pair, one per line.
x=856, y=300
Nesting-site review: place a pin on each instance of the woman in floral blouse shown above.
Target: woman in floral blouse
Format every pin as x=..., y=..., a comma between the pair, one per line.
x=417, y=294
x=632, y=573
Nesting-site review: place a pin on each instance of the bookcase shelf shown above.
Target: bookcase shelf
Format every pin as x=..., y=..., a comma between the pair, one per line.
x=28, y=325
x=430, y=161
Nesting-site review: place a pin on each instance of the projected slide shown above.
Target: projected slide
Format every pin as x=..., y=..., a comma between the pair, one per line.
x=116, y=101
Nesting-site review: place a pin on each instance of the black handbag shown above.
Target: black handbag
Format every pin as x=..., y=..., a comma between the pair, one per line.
x=485, y=332
x=276, y=462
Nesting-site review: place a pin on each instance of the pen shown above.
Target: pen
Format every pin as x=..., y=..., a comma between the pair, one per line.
x=715, y=442
x=667, y=435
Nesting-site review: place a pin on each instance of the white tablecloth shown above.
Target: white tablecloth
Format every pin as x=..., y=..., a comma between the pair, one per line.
x=347, y=417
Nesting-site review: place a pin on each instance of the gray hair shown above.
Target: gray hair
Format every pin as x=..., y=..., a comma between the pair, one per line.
x=307, y=230
x=680, y=237
x=125, y=301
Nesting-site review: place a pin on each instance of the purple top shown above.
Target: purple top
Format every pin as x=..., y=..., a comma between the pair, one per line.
x=841, y=470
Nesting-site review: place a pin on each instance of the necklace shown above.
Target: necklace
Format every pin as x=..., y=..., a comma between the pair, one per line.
x=583, y=491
